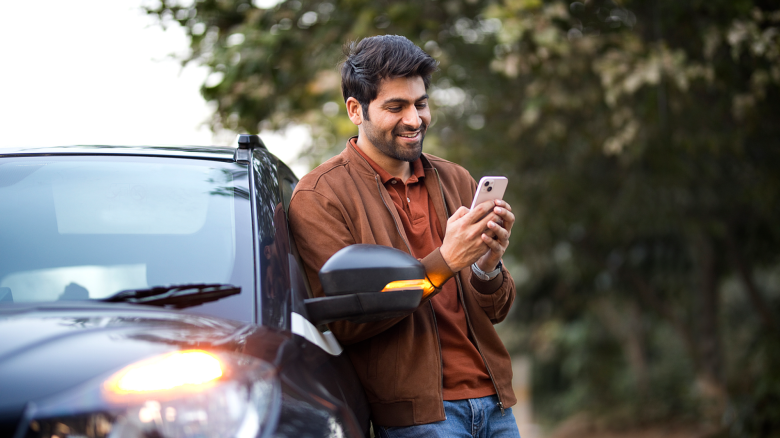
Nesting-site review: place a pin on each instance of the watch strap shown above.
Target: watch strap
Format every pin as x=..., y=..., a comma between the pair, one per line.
x=486, y=276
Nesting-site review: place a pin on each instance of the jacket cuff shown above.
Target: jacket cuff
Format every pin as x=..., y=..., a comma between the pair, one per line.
x=487, y=287
x=436, y=269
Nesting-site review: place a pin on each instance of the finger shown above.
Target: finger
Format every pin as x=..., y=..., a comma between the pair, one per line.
x=483, y=222
x=494, y=245
x=503, y=212
x=459, y=213
x=499, y=232
x=503, y=204
x=481, y=210
x=490, y=203
x=478, y=217
x=506, y=216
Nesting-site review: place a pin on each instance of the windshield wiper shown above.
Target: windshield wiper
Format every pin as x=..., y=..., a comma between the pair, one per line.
x=178, y=296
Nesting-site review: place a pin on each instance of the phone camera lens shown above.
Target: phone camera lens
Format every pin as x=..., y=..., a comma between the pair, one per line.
x=487, y=183
x=490, y=188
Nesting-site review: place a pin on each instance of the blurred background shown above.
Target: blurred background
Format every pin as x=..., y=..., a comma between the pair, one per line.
x=105, y=72
x=640, y=139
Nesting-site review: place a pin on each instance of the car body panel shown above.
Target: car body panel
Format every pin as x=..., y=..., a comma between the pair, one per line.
x=50, y=350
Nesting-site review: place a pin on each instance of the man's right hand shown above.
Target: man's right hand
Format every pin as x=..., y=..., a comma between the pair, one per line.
x=463, y=243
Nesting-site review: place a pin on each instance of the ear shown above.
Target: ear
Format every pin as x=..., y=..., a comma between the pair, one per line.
x=354, y=111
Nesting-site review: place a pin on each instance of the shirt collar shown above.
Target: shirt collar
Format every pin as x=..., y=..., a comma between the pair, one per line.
x=417, y=167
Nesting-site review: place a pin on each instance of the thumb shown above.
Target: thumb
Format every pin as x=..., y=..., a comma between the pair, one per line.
x=459, y=213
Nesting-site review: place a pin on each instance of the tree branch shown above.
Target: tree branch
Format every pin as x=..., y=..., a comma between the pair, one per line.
x=650, y=298
x=745, y=274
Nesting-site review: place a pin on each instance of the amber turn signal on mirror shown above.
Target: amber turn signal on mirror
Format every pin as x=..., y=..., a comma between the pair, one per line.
x=423, y=284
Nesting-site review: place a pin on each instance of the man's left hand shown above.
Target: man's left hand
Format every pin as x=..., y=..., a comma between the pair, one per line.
x=496, y=237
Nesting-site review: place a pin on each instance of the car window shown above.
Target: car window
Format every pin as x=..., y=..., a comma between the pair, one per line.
x=76, y=228
x=299, y=283
x=274, y=276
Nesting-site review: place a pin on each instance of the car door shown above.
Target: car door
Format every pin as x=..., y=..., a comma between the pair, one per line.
x=319, y=381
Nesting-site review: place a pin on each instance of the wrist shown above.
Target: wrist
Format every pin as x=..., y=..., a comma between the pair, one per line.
x=486, y=275
x=487, y=265
x=449, y=259
x=436, y=268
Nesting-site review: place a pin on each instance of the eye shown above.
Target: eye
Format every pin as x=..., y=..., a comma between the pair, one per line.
x=421, y=105
x=394, y=109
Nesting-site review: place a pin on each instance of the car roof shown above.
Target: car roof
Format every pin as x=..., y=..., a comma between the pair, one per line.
x=221, y=153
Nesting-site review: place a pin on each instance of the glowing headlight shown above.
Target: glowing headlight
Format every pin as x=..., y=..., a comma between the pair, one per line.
x=182, y=394
x=179, y=370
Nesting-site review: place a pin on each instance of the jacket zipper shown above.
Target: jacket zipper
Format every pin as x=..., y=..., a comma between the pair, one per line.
x=441, y=359
x=466, y=312
x=476, y=341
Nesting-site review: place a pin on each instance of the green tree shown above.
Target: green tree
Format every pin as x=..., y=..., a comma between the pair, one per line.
x=641, y=142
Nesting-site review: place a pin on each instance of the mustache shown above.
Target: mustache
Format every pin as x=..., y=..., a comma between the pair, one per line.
x=407, y=128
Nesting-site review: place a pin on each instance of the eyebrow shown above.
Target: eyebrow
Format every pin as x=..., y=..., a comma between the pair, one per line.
x=400, y=100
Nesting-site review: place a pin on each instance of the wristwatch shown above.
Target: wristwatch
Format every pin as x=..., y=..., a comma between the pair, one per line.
x=486, y=276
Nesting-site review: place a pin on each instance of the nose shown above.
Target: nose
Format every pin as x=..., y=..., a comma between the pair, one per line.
x=411, y=117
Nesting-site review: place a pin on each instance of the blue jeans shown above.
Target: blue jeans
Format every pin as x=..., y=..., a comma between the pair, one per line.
x=470, y=418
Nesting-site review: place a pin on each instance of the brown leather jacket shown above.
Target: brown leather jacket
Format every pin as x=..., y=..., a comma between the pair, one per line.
x=343, y=202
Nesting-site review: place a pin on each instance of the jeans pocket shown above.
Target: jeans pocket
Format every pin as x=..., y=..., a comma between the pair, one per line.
x=382, y=432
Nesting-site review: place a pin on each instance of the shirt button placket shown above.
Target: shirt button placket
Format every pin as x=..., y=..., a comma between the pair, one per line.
x=408, y=201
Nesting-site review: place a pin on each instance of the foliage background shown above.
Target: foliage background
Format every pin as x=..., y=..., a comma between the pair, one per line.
x=641, y=142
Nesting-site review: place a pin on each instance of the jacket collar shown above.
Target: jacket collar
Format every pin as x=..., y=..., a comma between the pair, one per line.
x=432, y=183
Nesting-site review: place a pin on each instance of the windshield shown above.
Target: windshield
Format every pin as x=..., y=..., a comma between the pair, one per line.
x=78, y=228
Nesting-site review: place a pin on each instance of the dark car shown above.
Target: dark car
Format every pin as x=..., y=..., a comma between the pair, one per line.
x=156, y=292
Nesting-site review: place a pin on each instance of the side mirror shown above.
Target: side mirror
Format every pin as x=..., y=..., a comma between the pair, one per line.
x=364, y=283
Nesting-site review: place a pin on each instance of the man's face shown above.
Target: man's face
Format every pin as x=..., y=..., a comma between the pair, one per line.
x=398, y=118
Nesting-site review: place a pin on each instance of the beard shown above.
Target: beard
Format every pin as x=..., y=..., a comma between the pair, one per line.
x=387, y=144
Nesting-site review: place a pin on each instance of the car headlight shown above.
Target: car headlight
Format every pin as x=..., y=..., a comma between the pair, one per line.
x=190, y=393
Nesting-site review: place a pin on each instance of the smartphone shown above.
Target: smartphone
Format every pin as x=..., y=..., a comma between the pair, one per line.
x=489, y=188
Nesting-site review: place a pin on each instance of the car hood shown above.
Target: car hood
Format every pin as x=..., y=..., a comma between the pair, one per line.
x=46, y=350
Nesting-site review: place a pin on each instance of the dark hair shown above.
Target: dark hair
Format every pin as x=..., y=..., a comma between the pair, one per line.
x=381, y=57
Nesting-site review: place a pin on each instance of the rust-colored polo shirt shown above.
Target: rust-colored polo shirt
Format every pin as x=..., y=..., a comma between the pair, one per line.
x=464, y=372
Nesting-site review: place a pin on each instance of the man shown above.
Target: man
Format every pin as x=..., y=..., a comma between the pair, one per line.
x=441, y=371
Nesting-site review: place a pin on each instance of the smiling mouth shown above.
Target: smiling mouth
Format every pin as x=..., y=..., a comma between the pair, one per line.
x=412, y=135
